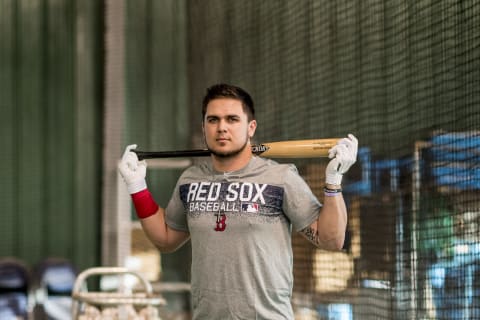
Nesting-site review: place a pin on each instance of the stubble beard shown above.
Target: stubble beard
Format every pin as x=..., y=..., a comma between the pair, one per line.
x=229, y=154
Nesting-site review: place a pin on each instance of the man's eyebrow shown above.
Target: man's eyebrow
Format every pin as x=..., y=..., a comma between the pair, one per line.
x=213, y=116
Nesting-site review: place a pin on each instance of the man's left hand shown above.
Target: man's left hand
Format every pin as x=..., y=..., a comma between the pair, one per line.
x=343, y=155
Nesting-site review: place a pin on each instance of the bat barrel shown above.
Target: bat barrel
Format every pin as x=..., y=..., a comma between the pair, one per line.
x=311, y=148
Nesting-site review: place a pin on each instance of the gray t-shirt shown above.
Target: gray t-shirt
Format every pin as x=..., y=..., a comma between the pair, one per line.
x=240, y=226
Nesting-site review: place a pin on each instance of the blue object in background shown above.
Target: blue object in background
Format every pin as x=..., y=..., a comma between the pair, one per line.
x=455, y=160
x=335, y=311
x=456, y=284
x=55, y=278
x=14, y=286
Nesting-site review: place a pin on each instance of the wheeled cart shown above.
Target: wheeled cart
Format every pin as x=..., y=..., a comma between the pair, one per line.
x=138, y=303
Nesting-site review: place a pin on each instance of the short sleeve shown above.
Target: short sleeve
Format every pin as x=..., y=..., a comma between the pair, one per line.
x=175, y=215
x=300, y=205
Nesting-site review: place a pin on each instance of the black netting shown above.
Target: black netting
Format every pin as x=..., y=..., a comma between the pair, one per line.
x=404, y=77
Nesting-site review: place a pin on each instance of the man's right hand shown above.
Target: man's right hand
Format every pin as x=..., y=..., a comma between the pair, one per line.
x=132, y=170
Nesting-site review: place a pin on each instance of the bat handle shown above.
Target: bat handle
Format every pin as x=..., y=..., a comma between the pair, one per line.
x=142, y=155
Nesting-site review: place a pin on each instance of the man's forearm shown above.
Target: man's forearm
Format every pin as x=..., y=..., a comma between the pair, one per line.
x=328, y=231
x=158, y=232
x=332, y=222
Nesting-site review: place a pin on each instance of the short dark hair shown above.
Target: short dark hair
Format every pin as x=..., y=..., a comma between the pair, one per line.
x=224, y=90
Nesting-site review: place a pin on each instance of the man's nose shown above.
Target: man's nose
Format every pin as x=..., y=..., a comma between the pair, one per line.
x=222, y=126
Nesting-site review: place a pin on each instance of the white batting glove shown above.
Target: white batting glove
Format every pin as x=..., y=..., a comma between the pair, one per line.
x=132, y=170
x=343, y=155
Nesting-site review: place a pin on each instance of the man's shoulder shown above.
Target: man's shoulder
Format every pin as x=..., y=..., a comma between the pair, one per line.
x=195, y=171
x=274, y=166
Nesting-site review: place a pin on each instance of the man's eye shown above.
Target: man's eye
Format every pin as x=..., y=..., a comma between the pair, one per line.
x=233, y=119
x=212, y=120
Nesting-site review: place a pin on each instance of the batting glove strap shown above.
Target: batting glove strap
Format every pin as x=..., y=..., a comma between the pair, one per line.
x=332, y=175
x=334, y=178
x=137, y=186
x=144, y=204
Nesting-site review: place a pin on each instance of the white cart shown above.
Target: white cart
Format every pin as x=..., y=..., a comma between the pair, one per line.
x=124, y=304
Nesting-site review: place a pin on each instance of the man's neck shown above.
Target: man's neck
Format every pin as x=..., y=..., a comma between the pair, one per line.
x=234, y=163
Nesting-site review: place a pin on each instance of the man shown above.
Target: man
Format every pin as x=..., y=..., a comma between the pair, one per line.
x=238, y=210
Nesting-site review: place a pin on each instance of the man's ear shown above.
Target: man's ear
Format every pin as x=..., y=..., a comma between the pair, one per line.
x=252, y=127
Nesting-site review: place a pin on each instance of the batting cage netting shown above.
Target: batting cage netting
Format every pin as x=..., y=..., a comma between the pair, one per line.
x=404, y=77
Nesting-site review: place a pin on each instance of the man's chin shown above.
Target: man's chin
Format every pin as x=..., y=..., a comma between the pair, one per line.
x=224, y=154
x=221, y=153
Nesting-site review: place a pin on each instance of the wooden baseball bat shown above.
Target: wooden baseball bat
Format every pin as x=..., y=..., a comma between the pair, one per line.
x=310, y=148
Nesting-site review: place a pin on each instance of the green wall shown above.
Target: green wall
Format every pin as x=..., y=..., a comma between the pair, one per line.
x=51, y=114
x=156, y=105
x=156, y=111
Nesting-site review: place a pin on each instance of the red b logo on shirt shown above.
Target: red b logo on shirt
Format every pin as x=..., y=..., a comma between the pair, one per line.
x=221, y=224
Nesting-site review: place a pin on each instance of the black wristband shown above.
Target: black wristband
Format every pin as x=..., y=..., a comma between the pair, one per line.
x=332, y=192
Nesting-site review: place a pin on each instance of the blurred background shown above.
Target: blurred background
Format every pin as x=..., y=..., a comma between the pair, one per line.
x=80, y=80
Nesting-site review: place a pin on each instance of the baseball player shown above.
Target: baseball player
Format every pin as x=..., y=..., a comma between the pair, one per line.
x=238, y=210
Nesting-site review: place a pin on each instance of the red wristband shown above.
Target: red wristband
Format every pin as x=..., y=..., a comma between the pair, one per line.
x=144, y=204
